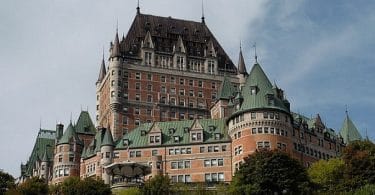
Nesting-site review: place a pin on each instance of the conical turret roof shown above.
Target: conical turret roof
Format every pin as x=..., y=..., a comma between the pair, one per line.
x=241, y=64
x=258, y=93
x=349, y=131
x=102, y=71
x=116, y=47
x=107, y=139
x=227, y=89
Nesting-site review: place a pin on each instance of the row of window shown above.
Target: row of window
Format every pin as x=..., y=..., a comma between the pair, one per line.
x=133, y=154
x=214, y=162
x=269, y=130
x=215, y=148
x=171, y=79
x=312, y=152
x=253, y=115
x=170, y=100
x=71, y=157
x=181, y=178
x=178, y=151
x=90, y=168
x=181, y=164
x=213, y=177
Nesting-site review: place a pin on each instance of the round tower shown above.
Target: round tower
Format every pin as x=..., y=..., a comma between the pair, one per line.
x=106, y=150
x=261, y=120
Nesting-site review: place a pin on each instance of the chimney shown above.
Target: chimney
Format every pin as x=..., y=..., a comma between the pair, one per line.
x=59, y=130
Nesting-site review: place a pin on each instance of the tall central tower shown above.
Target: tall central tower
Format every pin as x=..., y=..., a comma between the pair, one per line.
x=163, y=69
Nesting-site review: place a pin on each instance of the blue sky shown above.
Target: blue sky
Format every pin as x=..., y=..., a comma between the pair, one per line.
x=320, y=52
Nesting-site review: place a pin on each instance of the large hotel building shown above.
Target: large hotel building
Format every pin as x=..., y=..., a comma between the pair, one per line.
x=170, y=101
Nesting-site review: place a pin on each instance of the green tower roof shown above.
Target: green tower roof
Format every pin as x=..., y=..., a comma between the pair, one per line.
x=84, y=124
x=44, y=143
x=349, y=131
x=69, y=134
x=227, y=89
x=107, y=139
x=258, y=93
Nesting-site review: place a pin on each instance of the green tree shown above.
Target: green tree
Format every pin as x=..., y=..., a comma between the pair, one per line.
x=159, y=184
x=33, y=186
x=267, y=172
x=6, y=182
x=73, y=186
x=359, y=158
x=328, y=175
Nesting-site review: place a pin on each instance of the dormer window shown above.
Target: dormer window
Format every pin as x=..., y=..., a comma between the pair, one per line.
x=217, y=136
x=270, y=99
x=171, y=131
x=253, y=90
x=125, y=142
x=212, y=128
x=176, y=139
x=143, y=133
x=196, y=136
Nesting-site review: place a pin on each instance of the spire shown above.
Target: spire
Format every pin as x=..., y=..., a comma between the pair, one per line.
x=116, y=46
x=241, y=63
x=203, y=22
x=102, y=71
x=255, y=53
x=45, y=156
x=349, y=131
x=138, y=9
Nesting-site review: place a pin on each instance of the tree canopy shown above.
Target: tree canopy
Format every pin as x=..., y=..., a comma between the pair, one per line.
x=266, y=172
x=73, y=185
x=6, y=182
x=328, y=174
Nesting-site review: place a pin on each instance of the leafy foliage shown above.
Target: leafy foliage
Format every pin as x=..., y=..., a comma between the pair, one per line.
x=33, y=186
x=267, y=172
x=73, y=185
x=328, y=174
x=6, y=182
x=157, y=185
x=359, y=158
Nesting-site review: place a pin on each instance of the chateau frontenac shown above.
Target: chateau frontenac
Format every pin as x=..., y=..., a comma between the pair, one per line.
x=170, y=101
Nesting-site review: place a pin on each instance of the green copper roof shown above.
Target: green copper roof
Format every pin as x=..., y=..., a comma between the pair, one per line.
x=139, y=138
x=84, y=124
x=227, y=89
x=68, y=135
x=259, y=100
x=44, y=144
x=349, y=131
x=107, y=139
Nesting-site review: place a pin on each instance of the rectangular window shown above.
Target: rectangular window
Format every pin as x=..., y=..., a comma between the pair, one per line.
x=201, y=149
x=138, y=153
x=138, y=75
x=253, y=115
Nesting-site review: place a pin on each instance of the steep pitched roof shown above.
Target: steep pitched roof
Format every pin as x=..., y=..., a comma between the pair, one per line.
x=107, y=139
x=349, y=131
x=259, y=100
x=115, y=52
x=44, y=144
x=241, y=64
x=69, y=134
x=102, y=71
x=210, y=126
x=165, y=31
x=84, y=124
x=227, y=89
